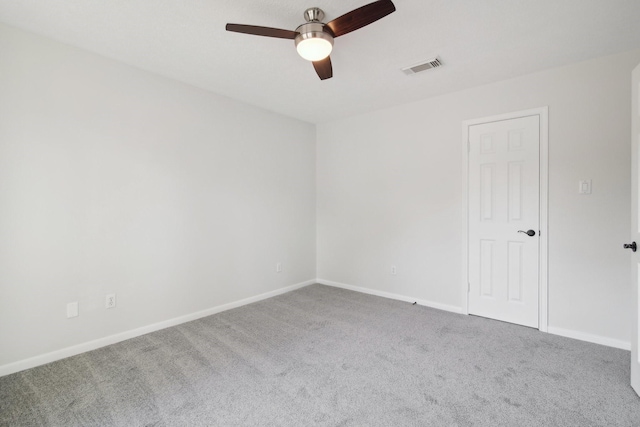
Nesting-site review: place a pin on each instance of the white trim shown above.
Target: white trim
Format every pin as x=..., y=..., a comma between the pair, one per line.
x=389, y=295
x=596, y=339
x=567, y=333
x=543, y=112
x=543, y=307
x=465, y=219
x=42, y=359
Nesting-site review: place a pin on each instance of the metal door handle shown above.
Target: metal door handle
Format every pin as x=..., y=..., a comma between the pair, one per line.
x=529, y=233
x=631, y=246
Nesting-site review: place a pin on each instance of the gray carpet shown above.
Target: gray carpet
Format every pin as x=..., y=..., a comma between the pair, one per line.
x=329, y=357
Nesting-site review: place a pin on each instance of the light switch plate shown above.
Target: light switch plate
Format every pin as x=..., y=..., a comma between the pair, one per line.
x=584, y=186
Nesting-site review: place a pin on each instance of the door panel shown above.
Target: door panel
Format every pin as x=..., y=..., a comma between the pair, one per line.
x=504, y=197
x=515, y=252
x=486, y=268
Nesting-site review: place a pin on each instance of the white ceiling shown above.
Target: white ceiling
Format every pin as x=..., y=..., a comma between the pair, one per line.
x=479, y=41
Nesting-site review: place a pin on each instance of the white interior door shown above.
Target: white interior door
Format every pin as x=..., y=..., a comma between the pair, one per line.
x=504, y=204
x=635, y=228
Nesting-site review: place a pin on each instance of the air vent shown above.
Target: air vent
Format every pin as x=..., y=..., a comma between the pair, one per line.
x=423, y=66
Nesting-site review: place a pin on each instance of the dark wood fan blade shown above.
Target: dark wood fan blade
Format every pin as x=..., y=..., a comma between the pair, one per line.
x=323, y=68
x=262, y=31
x=361, y=17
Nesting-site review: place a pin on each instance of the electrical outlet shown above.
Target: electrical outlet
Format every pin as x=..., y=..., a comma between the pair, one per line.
x=279, y=267
x=72, y=309
x=394, y=271
x=110, y=301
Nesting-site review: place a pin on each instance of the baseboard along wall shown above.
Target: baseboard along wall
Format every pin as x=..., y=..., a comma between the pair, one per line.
x=567, y=333
x=390, y=295
x=113, y=339
x=42, y=359
x=596, y=339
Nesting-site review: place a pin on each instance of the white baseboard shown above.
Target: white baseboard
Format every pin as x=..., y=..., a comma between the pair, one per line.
x=390, y=295
x=582, y=336
x=596, y=339
x=42, y=359
x=32, y=362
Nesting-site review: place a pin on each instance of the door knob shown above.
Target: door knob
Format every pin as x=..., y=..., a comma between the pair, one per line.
x=529, y=233
x=631, y=246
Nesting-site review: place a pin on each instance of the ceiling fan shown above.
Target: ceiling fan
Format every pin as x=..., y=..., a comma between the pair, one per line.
x=314, y=40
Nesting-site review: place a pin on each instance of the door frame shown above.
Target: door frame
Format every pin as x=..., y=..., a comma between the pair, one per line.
x=543, y=284
x=635, y=223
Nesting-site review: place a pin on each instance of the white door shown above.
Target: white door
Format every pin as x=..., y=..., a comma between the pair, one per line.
x=635, y=228
x=504, y=205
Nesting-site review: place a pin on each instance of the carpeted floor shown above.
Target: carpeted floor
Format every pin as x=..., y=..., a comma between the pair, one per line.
x=329, y=357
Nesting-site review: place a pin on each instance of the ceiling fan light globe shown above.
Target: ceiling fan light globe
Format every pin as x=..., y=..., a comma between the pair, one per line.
x=314, y=49
x=312, y=42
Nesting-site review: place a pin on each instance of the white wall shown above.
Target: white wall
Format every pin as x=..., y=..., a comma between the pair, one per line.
x=117, y=180
x=389, y=188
